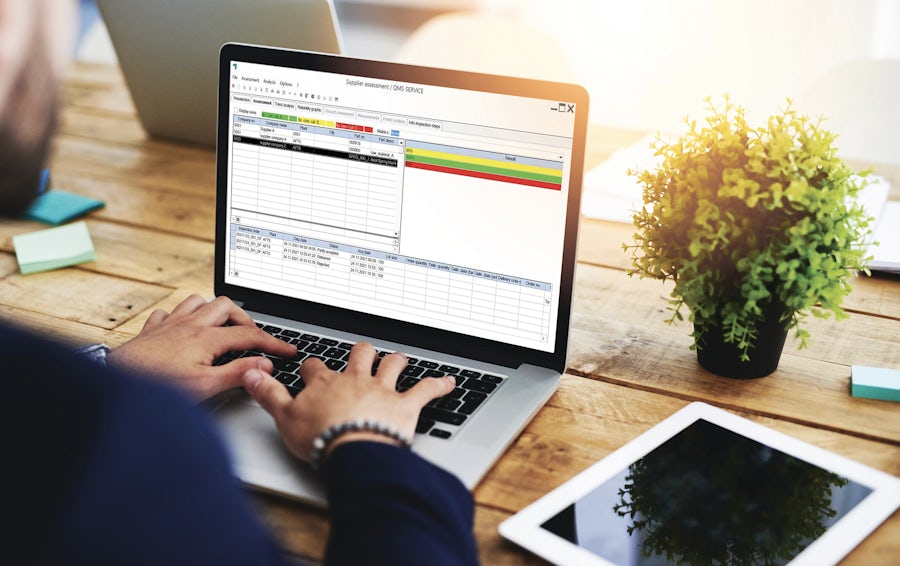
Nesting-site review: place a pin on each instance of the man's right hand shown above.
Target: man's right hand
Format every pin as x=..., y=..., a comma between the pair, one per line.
x=332, y=398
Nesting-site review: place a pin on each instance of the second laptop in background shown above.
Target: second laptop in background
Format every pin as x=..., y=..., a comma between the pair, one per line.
x=169, y=51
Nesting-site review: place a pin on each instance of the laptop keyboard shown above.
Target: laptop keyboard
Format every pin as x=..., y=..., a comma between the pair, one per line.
x=440, y=418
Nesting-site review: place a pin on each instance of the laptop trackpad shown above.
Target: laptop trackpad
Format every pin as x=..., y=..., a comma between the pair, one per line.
x=260, y=457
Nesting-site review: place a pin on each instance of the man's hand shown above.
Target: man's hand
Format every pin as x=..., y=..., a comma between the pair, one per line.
x=331, y=398
x=180, y=346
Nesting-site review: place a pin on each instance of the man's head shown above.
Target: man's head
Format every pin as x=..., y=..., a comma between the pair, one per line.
x=35, y=40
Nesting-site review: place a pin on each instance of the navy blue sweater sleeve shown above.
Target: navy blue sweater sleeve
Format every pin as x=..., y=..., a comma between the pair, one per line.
x=389, y=506
x=104, y=468
x=158, y=489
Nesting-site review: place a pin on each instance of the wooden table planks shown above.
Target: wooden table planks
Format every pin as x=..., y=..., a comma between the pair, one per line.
x=627, y=369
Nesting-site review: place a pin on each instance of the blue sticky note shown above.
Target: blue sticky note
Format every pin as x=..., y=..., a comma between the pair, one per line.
x=54, y=248
x=44, y=183
x=58, y=207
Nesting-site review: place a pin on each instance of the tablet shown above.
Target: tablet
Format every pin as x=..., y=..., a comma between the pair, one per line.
x=705, y=486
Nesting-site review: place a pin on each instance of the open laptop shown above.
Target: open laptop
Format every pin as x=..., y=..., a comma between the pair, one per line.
x=168, y=51
x=429, y=211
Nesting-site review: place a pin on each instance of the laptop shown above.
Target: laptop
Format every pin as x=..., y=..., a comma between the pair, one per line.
x=429, y=211
x=167, y=50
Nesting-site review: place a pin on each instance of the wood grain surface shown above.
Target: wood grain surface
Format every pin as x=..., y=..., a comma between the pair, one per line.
x=627, y=369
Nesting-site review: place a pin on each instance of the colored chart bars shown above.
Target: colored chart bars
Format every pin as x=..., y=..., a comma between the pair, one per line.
x=489, y=165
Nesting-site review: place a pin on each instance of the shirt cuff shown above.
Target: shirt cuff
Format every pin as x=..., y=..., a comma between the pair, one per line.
x=95, y=353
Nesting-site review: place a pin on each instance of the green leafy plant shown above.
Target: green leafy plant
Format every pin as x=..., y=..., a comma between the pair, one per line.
x=742, y=217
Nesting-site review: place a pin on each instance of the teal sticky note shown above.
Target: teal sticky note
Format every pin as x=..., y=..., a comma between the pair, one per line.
x=875, y=383
x=58, y=207
x=54, y=248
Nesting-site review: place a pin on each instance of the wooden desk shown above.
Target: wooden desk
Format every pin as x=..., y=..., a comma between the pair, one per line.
x=627, y=369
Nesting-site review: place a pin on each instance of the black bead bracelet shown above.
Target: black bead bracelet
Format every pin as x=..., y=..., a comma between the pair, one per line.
x=330, y=434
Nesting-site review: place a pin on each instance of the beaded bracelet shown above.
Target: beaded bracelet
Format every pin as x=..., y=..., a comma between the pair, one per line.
x=330, y=434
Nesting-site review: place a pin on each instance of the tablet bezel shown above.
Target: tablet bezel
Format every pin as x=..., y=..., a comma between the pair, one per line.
x=524, y=528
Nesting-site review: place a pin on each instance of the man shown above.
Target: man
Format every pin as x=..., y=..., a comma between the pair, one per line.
x=104, y=467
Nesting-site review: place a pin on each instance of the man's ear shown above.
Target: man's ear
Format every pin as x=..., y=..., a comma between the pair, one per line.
x=59, y=19
x=17, y=21
x=20, y=20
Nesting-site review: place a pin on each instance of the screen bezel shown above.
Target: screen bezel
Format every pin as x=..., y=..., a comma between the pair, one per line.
x=524, y=528
x=362, y=323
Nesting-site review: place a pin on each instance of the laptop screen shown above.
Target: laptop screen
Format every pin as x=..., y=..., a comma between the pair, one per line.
x=428, y=204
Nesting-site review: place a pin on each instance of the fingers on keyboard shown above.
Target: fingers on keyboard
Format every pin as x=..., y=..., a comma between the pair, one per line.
x=452, y=410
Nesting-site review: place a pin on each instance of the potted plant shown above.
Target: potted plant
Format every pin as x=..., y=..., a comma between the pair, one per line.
x=757, y=227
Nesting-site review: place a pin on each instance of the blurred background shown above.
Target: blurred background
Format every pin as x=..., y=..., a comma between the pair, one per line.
x=649, y=63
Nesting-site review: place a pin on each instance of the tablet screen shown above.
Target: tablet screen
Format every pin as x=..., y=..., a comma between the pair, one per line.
x=708, y=495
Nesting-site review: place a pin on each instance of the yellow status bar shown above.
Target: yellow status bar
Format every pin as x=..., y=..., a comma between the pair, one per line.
x=482, y=161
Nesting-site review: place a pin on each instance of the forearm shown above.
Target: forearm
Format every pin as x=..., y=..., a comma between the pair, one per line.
x=388, y=506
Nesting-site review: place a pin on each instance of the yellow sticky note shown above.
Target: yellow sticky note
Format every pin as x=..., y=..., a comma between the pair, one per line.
x=54, y=248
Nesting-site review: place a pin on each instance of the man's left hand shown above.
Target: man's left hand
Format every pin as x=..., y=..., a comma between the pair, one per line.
x=181, y=346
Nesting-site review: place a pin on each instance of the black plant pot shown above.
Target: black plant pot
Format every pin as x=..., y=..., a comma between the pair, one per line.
x=724, y=359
